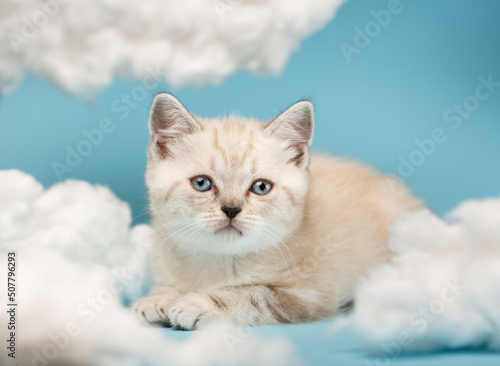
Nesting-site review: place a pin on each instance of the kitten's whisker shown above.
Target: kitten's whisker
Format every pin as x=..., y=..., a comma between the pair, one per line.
x=267, y=231
x=265, y=251
x=198, y=229
x=170, y=243
x=170, y=235
x=299, y=244
x=254, y=243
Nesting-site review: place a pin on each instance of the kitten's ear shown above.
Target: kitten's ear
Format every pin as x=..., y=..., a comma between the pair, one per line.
x=169, y=123
x=295, y=127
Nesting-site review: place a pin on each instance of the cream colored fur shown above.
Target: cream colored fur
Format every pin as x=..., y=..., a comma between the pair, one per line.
x=303, y=246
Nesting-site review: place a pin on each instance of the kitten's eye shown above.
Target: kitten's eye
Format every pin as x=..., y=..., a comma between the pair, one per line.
x=201, y=183
x=261, y=187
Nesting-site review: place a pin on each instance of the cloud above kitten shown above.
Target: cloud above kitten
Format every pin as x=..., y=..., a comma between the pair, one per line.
x=186, y=43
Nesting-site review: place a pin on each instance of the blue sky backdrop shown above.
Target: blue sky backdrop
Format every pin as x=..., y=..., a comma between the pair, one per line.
x=416, y=95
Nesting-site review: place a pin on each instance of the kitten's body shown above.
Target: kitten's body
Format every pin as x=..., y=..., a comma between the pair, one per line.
x=298, y=250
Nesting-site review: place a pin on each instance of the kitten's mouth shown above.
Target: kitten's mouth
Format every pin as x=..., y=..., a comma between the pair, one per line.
x=229, y=229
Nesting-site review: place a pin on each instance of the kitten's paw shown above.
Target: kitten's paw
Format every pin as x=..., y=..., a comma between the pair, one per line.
x=153, y=308
x=193, y=311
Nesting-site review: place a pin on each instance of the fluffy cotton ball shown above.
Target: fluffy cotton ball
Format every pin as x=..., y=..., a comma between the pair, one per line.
x=18, y=192
x=441, y=291
x=187, y=42
x=140, y=244
x=480, y=219
x=52, y=311
x=91, y=218
x=86, y=223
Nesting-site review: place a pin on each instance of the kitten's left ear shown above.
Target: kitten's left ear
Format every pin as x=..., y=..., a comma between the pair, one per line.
x=295, y=127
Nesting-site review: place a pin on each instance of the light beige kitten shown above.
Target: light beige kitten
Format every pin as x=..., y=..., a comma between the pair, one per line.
x=250, y=227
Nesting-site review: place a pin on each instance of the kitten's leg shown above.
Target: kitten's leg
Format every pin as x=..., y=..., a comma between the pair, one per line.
x=249, y=305
x=153, y=307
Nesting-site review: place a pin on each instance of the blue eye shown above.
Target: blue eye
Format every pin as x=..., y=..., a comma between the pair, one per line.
x=201, y=183
x=261, y=187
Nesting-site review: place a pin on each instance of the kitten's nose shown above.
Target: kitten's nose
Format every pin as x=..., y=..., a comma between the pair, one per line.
x=230, y=212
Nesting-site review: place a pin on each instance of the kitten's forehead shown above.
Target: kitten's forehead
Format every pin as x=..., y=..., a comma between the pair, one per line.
x=234, y=144
x=235, y=152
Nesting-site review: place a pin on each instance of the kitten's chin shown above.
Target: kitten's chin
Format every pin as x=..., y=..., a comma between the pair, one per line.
x=229, y=231
x=228, y=240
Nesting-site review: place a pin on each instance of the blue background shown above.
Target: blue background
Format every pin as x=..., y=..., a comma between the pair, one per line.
x=395, y=90
x=319, y=344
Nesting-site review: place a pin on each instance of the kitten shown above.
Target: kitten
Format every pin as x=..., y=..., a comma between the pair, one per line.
x=250, y=227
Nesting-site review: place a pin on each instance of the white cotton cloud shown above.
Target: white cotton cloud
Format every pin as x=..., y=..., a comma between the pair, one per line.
x=81, y=45
x=87, y=223
x=442, y=288
x=77, y=262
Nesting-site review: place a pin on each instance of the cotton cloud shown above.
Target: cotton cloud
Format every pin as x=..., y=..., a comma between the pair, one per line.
x=87, y=223
x=442, y=288
x=78, y=264
x=81, y=45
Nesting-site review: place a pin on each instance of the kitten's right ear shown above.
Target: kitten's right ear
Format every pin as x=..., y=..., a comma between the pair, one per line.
x=169, y=123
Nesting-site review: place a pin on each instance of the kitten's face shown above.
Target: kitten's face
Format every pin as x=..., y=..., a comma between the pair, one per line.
x=229, y=186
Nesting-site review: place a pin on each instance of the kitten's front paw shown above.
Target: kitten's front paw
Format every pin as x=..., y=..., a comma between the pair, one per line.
x=153, y=308
x=193, y=311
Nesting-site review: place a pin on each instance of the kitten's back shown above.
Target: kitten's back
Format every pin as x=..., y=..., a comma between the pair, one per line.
x=350, y=208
